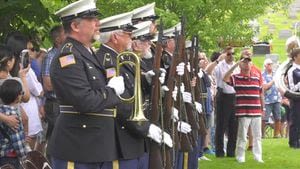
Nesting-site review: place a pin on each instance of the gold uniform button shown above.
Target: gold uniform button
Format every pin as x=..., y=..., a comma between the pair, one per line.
x=123, y=127
x=94, y=77
x=84, y=126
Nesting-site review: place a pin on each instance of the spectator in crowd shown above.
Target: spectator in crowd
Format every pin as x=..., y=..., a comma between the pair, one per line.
x=32, y=108
x=208, y=106
x=272, y=97
x=17, y=42
x=12, y=142
x=7, y=61
x=36, y=62
x=248, y=106
x=225, y=104
x=51, y=105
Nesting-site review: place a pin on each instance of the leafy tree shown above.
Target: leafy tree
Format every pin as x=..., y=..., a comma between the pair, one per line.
x=217, y=22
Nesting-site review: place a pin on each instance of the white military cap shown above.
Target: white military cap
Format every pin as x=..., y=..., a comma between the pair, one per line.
x=144, y=13
x=188, y=44
x=121, y=21
x=143, y=31
x=78, y=9
x=170, y=33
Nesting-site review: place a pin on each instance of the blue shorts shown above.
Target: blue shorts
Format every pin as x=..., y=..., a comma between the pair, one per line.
x=273, y=108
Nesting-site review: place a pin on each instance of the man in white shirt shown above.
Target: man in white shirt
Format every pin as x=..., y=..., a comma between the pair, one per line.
x=225, y=104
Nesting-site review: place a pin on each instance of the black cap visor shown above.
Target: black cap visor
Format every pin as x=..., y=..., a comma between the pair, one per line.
x=92, y=13
x=126, y=28
x=147, y=18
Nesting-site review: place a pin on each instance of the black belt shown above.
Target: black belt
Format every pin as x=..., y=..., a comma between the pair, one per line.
x=67, y=109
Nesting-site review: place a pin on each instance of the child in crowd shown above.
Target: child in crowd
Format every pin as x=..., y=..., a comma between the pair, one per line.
x=12, y=141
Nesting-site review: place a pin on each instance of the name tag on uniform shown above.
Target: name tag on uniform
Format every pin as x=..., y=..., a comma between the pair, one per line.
x=110, y=72
x=67, y=60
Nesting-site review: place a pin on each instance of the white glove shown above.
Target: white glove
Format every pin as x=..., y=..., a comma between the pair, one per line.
x=117, y=83
x=188, y=66
x=200, y=74
x=148, y=75
x=175, y=116
x=165, y=88
x=187, y=97
x=162, y=76
x=298, y=85
x=168, y=140
x=184, y=127
x=180, y=69
x=182, y=88
x=155, y=133
x=174, y=93
x=198, y=107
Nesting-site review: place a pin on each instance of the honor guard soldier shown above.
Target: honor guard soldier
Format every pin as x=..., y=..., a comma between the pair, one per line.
x=115, y=36
x=169, y=46
x=141, y=46
x=84, y=134
x=142, y=14
x=146, y=13
x=183, y=127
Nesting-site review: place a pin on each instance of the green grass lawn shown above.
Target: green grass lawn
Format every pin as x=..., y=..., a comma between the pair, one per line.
x=276, y=154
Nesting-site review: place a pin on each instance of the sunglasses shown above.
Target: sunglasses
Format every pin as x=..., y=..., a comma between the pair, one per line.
x=230, y=54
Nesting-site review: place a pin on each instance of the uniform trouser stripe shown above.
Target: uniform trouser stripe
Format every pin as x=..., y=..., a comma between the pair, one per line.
x=185, y=160
x=115, y=164
x=70, y=165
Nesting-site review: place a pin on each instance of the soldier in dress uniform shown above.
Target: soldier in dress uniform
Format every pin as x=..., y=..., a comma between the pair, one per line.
x=115, y=36
x=146, y=13
x=167, y=58
x=169, y=46
x=141, y=45
x=84, y=134
x=142, y=14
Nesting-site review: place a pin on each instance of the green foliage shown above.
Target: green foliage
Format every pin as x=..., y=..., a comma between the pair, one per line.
x=28, y=16
x=215, y=21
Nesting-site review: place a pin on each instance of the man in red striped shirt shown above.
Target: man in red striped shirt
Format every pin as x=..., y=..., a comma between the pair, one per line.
x=247, y=85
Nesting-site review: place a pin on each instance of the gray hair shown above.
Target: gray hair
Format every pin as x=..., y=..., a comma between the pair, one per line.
x=105, y=36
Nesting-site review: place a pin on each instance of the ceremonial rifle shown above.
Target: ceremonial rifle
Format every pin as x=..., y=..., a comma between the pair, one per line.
x=199, y=96
x=190, y=107
x=184, y=139
x=155, y=156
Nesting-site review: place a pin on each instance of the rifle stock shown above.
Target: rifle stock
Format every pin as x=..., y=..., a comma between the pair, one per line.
x=155, y=155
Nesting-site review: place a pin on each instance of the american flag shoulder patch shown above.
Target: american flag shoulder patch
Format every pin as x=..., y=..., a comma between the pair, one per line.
x=110, y=72
x=67, y=60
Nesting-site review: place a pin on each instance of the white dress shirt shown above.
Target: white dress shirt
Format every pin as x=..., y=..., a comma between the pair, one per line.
x=219, y=74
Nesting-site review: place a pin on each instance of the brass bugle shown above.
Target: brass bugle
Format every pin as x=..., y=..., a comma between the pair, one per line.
x=138, y=114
